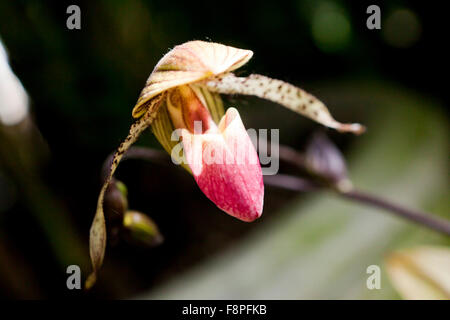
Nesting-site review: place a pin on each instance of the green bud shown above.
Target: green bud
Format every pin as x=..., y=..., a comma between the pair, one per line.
x=140, y=229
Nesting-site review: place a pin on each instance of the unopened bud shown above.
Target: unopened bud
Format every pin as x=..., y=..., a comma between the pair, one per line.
x=325, y=160
x=140, y=229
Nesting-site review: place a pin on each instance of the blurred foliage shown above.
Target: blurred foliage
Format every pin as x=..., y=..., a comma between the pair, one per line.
x=84, y=83
x=421, y=273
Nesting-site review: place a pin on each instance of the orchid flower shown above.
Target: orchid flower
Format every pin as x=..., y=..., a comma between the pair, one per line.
x=183, y=94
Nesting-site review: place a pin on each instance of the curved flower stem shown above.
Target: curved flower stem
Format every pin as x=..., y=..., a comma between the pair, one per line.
x=292, y=183
x=141, y=153
x=295, y=183
x=420, y=217
x=294, y=157
x=298, y=184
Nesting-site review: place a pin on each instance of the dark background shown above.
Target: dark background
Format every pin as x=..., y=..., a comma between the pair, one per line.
x=84, y=83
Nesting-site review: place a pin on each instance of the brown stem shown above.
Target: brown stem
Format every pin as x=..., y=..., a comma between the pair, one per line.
x=298, y=184
x=420, y=217
x=292, y=183
x=141, y=153
x=294, y=157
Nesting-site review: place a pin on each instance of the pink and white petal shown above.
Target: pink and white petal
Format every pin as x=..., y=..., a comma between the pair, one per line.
x=229, y=173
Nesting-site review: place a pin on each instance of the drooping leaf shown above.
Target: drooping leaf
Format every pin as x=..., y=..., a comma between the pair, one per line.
x=283, y=93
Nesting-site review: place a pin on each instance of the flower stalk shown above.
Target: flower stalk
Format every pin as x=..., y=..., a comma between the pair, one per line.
x=300, y=184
